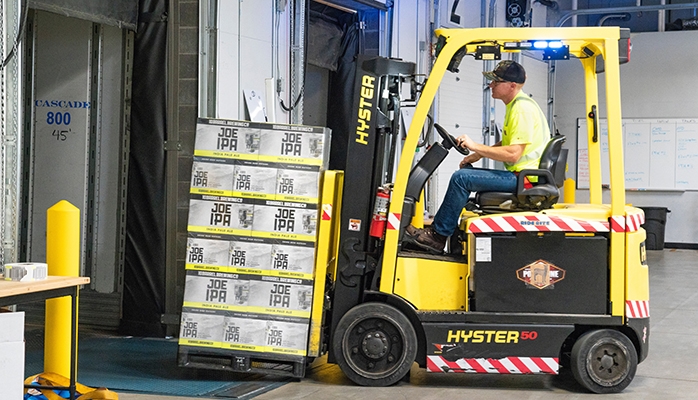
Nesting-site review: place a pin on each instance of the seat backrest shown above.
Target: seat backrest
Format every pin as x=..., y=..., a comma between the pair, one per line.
x=560, y=168
x=552, y=161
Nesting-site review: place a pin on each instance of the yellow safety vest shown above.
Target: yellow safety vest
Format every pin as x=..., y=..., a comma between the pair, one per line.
x=535, y=133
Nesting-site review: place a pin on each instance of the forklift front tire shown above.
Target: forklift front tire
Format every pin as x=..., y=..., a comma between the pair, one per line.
x=604, y=361
x=375, y=344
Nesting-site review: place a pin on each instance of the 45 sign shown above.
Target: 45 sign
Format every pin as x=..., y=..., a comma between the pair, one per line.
x=61, y=134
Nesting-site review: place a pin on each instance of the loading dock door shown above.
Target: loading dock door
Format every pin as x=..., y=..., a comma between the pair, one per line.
x=75, y=152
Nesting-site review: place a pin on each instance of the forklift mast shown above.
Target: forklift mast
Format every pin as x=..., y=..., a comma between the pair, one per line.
x=369, y=156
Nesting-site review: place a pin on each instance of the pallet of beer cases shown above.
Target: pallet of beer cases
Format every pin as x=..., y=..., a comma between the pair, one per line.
x=253, y=214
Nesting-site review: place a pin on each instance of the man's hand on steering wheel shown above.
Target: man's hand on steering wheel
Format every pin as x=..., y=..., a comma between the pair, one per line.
x=450, y=141
x=464, y=141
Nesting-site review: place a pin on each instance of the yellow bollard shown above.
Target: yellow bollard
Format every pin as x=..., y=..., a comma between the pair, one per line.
x=569, y=191
x=63, y=259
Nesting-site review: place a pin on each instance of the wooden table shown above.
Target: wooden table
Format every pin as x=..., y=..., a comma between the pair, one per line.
x=53, y=286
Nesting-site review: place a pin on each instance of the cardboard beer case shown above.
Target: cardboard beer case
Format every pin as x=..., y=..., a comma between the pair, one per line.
x=286, y=337
x=293, y=259
x=207, y=253
x=223, y=215
x=279, y=295
x=293, y=143
x=227, y=139
x=254, y=180
x=244, y=333
x=285, y=220
x=297, y=184
x=209, y=176
x=203, y=328
x=250, y=255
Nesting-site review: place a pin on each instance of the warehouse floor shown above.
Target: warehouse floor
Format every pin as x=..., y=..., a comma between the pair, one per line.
x=670, y=371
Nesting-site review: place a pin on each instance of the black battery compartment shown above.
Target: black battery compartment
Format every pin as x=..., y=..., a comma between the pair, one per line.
x=506, y=283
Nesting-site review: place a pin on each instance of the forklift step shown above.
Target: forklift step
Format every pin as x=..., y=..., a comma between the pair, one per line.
x=423, y=254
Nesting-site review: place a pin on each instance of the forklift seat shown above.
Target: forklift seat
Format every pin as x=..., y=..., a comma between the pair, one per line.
x=543, y=193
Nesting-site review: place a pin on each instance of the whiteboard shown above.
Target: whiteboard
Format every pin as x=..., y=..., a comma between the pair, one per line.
x=660, y=154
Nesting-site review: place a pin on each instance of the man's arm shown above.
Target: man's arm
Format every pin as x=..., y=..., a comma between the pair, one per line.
x=471, y=158
x=474, y=157
x=509, y=154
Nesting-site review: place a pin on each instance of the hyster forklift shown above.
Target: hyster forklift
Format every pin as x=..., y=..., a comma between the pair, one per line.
x=528, y=286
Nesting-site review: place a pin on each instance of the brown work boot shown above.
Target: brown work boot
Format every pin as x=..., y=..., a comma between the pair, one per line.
x=411, y=230
x=426, y=238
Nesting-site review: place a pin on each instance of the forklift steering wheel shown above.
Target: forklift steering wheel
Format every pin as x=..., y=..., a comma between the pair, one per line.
x=450, y=141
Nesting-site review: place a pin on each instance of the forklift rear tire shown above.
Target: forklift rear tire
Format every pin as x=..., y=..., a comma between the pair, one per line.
x=375, y=344
x=604, y=361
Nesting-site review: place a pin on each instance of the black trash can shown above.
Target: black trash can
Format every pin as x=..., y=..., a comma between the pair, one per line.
x=655, y=221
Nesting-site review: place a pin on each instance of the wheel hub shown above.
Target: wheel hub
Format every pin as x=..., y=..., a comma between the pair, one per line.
x=606, y=361
x=375, y=344
x=609, y=365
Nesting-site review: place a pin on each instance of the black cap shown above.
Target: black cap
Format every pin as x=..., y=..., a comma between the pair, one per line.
x=507, y=70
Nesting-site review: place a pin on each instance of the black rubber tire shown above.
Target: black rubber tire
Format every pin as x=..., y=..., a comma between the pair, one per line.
x=604, y=361
x=375, y=344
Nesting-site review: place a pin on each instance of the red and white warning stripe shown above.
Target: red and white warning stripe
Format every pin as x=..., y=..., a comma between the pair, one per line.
x=617, y=223
x=326, y=212
x=627, y=223
x=637, y=308
x=393, y=221
x=534, y=223
x=633, y=221
x=507, y=365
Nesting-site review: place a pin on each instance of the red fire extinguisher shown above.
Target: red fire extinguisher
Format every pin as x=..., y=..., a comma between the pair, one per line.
x=380, y=213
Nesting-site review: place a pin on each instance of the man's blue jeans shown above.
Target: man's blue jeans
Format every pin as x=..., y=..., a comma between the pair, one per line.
x=463, y=182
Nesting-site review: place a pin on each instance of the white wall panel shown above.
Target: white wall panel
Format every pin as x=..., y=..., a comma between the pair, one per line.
x=255, y=20
x=255, y=45
x=671, y=94
x=406, y=30
x=227, y=90
x=255, y=66
x=245, y=54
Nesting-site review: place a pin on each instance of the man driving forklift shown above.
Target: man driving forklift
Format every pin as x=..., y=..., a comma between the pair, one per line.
x=525, y=136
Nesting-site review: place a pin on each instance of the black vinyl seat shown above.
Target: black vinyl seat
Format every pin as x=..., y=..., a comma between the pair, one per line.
x=544, y=193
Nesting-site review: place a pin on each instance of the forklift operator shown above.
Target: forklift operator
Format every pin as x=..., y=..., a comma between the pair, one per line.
x=525, y=136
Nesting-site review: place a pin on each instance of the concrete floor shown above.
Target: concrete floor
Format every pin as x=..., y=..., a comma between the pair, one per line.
x=669, y=372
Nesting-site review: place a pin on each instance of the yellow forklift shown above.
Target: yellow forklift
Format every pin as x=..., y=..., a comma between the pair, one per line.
x=529, y=286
